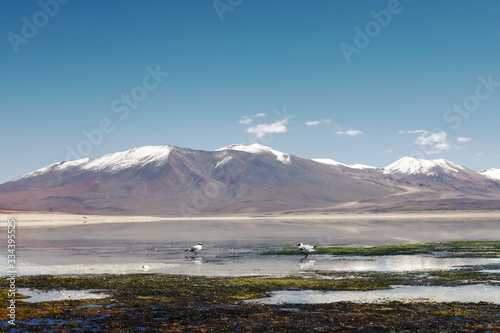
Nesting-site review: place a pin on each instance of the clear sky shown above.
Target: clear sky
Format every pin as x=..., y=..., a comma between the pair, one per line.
x=355, y=81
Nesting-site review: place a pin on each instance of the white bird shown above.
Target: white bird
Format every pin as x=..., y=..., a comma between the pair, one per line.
x=195, y=248
x=306, y=249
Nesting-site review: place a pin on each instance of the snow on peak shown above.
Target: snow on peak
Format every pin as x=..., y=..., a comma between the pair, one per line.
x=353, y=166
x=225, y=158
x=257, y=148
x=414, y=166
x=53, y=167
x=361, y=166
x=491, y=173
x=130, y=158
x=113, y=161
x=328, y=161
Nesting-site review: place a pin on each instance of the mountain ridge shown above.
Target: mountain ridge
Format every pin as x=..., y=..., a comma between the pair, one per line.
x=168, y=180
x=491, y=173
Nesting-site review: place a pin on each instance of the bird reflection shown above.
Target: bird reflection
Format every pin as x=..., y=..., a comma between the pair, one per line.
x=306, y=263
x=195, y=259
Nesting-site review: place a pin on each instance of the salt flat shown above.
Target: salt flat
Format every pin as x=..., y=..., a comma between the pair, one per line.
x=33, y=219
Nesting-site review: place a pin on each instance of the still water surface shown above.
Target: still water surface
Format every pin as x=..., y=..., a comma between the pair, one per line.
x=233, y=248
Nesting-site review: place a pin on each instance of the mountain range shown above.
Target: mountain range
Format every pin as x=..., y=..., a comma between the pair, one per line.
x=172, y=181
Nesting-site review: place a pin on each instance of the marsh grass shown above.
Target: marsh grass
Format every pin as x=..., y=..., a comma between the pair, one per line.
x=163, y=303
x=175, y=303
x=166, y=303
x=455, y=249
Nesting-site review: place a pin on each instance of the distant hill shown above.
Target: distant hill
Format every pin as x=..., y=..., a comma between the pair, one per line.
x=168, y=180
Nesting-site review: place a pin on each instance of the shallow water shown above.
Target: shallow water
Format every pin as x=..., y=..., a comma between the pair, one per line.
x=36, y=295
x=469, y=293
x=232, y=248
x=258, y=265
x=223, y=261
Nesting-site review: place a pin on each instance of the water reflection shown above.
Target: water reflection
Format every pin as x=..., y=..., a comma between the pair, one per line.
x=248, y=264
x=233, y=247
x=36, y=295
x=467, y=293
x=306, y=263
x=195, y=259
x=400, y=263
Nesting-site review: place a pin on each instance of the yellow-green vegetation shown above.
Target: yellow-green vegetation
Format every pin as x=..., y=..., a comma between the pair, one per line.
x=175, y=303
x=162, y=303
x=165, y=303
x=466, y=249
x=4, y=294
x=208, y=289
x=229, y=289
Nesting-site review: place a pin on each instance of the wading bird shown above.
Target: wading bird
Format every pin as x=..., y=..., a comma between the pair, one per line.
x=195, y=248
x=306, y=249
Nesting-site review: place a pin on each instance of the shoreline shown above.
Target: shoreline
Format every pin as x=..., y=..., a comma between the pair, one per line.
x=34, y=219
x=228, y=304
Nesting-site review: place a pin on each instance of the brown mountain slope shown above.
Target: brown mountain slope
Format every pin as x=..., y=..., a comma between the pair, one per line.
x=180, y=181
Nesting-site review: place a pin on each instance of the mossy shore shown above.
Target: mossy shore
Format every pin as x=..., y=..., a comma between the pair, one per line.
x=175, y=303
x=156, y=302
x=456, y=249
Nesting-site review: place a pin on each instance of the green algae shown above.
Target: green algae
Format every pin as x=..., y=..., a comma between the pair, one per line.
x=229, y=289
x=460, y=249
x=175, y=303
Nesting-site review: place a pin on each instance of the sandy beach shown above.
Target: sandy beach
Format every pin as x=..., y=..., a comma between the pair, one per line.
x=25, y=219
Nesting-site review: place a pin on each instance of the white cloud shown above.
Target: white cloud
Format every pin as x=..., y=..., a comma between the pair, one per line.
x=411, y=132
x=245, y=120
x=388, y=151
x=248, y=119
x=443, y=146
x=462, y=139
x=313, y=122
x=261, y=130
x=435, y=142
x=350, y=132
x=429, y=138
x=317, y=122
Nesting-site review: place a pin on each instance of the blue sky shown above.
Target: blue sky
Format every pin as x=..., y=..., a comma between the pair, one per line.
x=355, y=81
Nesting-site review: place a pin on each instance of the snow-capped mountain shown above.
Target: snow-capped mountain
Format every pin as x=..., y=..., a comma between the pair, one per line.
x=113, y=162
x=491, y=173
x=361, y=166
x=353, y=166
x=416, y=166
x=328, y=161
x=257, y=148
x=168, y=180
x=440, y=175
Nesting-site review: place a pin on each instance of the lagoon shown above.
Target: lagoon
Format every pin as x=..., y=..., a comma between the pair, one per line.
x=234, y=248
